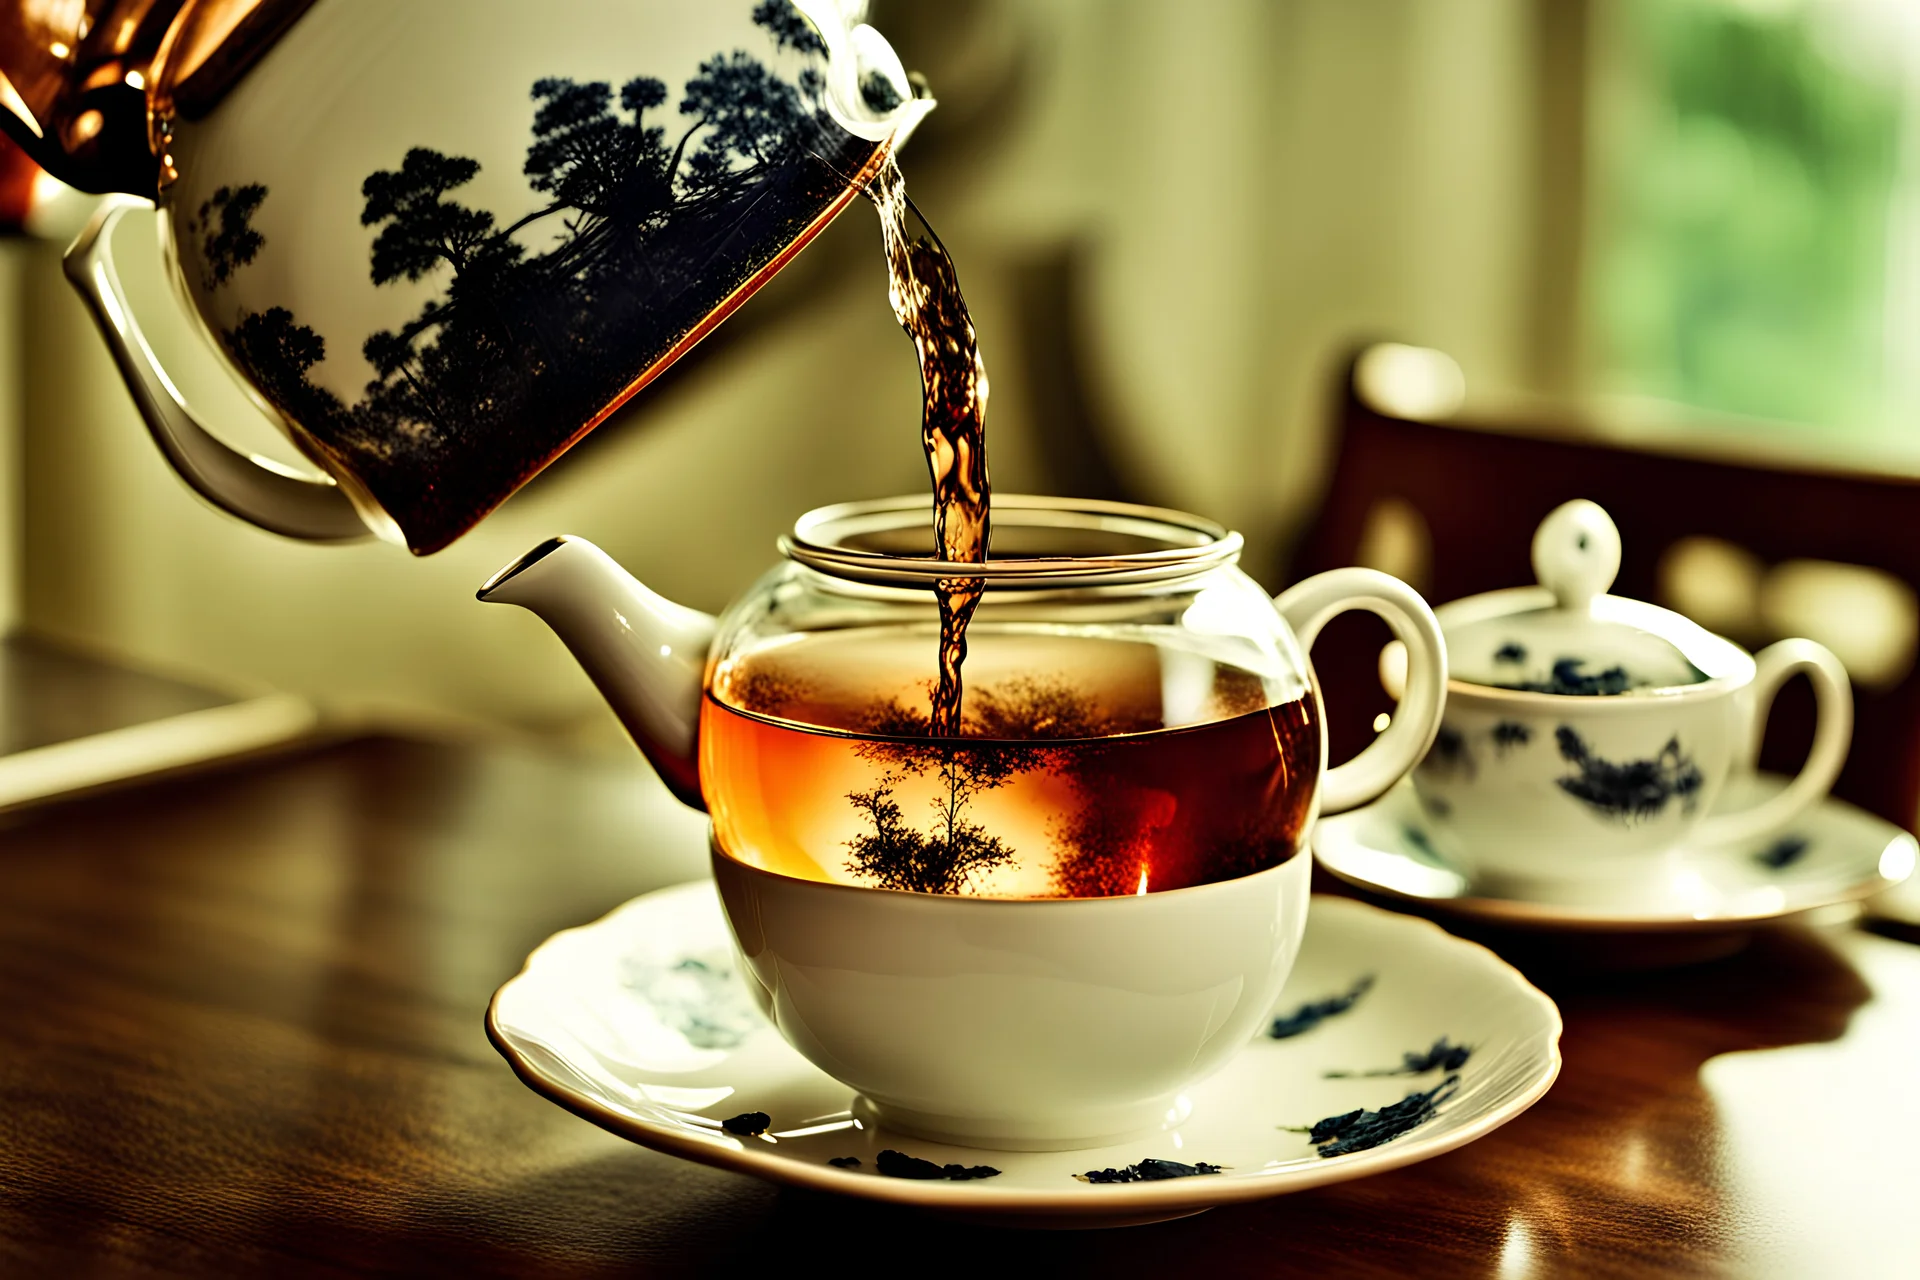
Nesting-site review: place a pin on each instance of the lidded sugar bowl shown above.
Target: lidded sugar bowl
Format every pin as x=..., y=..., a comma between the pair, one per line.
x=1587, y=735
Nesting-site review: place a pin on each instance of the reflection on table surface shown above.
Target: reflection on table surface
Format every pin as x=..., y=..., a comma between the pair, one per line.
x=245, y=1034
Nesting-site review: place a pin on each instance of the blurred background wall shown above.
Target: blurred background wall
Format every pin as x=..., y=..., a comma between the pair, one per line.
x=1173, y=224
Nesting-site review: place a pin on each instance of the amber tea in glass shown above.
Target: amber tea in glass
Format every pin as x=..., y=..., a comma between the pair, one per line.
x=1084, y=765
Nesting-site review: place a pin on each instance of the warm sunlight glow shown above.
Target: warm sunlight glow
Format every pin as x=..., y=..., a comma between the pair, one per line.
x=1897, y=859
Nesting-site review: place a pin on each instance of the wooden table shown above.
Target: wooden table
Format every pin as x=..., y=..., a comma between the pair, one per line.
x=242, y=1035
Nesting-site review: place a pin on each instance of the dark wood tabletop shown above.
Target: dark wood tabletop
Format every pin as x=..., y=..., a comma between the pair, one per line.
x=241, y=1021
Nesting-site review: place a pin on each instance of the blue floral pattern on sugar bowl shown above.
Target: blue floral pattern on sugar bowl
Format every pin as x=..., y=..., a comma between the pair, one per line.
x=1587, y=735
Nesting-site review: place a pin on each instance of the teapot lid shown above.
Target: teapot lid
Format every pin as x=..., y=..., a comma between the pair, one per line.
x=1567, y=636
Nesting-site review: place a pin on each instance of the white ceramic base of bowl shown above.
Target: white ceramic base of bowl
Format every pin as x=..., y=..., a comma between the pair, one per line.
x=1041, y=1024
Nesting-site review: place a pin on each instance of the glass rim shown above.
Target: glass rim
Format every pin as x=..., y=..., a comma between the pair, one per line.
x=1193, y=545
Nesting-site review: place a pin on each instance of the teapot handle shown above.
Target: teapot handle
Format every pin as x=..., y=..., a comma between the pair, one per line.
x=256, y=489
x=1308, y=605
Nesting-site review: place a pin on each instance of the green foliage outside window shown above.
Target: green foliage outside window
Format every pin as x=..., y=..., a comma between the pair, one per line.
x=1747, y=172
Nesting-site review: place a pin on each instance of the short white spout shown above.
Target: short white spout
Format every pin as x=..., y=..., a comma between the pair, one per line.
x=646, y=654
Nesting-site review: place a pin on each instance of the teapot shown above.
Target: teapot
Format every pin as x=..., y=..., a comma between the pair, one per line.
x=1138, y=714
x=440, y=241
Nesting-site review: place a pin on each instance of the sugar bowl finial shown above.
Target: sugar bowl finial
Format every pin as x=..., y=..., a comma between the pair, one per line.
x=1576, y=553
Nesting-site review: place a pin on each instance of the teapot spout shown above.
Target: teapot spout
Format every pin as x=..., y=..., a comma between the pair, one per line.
x=646, y=654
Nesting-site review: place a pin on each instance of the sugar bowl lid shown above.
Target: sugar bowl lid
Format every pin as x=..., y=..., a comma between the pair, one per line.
x=1567, y=636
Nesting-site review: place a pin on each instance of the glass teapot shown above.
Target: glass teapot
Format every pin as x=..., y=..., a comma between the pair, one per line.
x=440, y=241
x=1138, y=714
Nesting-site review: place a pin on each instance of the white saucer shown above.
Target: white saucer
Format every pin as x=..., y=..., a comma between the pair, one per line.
x=1833, y=854
x=636, y=1022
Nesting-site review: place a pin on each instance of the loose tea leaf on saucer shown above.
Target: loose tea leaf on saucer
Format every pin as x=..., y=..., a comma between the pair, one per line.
x=898, y=1164
x=1363, y=1130
x=1443, y=1056
x=748, y=1124
x=1148, y=1170
x=1308, y=1016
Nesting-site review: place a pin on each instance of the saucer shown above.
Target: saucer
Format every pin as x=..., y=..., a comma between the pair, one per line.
x=1396, y=1042
x=1832, y=854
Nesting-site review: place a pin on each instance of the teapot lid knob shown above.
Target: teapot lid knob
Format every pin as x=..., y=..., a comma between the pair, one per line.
x=1576, y=553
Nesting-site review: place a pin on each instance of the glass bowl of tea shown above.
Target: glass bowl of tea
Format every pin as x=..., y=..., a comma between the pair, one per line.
x=1108, y=706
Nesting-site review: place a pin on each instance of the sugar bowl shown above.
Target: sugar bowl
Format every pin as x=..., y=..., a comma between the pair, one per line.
x=1587, y=735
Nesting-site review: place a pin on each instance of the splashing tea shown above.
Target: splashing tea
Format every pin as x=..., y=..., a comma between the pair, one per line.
x=1150, y=768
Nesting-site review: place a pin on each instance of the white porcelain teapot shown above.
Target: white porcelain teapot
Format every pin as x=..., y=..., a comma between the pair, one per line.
x=441, y=240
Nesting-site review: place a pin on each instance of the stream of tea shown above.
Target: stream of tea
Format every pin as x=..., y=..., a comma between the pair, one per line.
x=925, y=293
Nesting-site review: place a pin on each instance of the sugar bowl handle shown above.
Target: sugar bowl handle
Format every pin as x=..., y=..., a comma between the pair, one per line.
x=1832, y=733
x=1308, y=605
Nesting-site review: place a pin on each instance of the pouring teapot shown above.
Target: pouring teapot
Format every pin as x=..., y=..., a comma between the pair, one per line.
x=1138, y=714
x=440, y=241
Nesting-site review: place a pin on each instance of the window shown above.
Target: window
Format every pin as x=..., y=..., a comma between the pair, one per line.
x=1756, y=216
